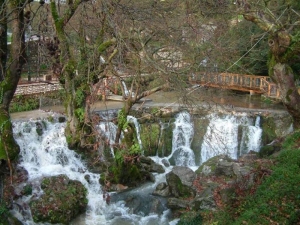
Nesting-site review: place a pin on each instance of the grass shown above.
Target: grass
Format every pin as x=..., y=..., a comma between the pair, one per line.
x=277, y=199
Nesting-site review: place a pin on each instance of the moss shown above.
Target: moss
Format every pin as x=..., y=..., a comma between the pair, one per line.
x=150, y=136
x=63, y=199
x=190, y=218
x=7, y=141
x=165, y=144
x=271, y=64
x=267, y=150
x=269, y=128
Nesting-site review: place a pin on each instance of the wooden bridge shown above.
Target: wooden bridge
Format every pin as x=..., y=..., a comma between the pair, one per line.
x=239, y=82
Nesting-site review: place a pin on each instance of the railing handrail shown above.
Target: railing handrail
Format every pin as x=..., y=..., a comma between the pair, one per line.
x=251, y=82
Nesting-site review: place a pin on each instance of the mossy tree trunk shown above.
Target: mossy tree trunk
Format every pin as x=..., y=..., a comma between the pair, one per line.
x=11, y=71
x=77, y=79
x=284, y=44
x=130, y=101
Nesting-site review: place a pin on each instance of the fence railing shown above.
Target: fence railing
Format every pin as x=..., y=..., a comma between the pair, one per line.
x=242, y=82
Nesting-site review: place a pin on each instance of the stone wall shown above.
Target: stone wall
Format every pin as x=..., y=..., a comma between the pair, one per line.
x=36, y=88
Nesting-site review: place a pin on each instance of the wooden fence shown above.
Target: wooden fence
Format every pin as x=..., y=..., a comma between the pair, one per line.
x=240, y=82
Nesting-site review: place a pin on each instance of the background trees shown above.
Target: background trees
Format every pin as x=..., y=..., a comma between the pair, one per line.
x=280, y=20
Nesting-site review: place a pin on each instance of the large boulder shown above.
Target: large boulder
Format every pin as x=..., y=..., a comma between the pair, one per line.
x=180, y=181
x=62, y=201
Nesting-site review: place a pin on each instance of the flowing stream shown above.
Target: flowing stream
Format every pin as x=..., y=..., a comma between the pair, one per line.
x=44, y=152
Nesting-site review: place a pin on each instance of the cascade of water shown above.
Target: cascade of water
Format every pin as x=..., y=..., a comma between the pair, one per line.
x=47, y=154
x=183, y=134
x=251, y=137
x=127, y=92
x=109, y=129
x=137, y=128
x=125, y=88
x=222, y=136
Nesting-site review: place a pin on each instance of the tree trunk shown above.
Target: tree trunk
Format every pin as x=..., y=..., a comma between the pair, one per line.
x=3, y=40
x=128, y=105
x=283, y=48
x=9, y=149
x=284, y=77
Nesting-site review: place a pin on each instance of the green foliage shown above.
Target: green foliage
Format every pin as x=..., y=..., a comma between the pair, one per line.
x=27, y=190
x=190, y=218
x=122, y=119
x=266, y=150
x=135, y=149
x=80, y=114
x=79, y=97
x=292, y=141
x=119, y=156
x=277, y=199
x=4, y=212
x=21, y=104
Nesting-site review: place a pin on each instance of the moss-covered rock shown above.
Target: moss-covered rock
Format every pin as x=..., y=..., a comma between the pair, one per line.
x=62, y=201
x=150, y=135
x=165, y=144
x=268, y=150
x=209, y=167
x=180, y=181
x=274, y=126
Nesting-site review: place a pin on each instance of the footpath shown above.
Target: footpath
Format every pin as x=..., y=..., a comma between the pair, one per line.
x=45, y=112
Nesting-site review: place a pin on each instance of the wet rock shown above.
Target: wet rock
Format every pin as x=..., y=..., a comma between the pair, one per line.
x=162, y=189
x=39, y=128
x=209, y=167
x=249, y=157
x=224, y=167
x=165, y=162
x=61, y=119
x=140, y=203
x=180, y=181
x=156, y=168
x=243, y=173
x=150, y=165
x=175, y=203
x=118, y=187
x=62, y=201
x=205, y=199
x=186, y=175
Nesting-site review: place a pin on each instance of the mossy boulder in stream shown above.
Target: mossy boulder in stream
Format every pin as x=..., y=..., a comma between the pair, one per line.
x=62, y=201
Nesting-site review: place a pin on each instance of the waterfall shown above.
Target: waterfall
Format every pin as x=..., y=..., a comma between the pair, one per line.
x=109, y=129
x=127, y=92
x=137, y=128
x=222, y=136
x=183, y=133
x=251, y=137
x=45, y=153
